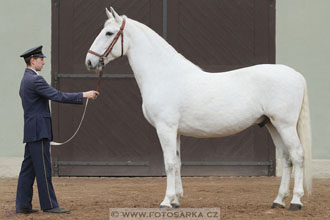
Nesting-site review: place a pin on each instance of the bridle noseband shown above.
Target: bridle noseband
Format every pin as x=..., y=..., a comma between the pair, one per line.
x=109, y=49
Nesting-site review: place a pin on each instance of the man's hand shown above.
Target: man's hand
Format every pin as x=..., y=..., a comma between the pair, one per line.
x=91, y=94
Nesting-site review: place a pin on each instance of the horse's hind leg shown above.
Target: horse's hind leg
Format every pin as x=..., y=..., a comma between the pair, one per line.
x=292, y=142
x=178, y=183
x=284, y=190
x=168, y=140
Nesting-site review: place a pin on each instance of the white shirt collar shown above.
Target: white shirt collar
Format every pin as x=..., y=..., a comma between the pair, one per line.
x=34, y=71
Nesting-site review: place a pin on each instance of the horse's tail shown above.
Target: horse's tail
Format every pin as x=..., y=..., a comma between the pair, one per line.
x=305, y=136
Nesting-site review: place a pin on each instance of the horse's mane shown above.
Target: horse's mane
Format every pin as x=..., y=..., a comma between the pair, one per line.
x=157, y=41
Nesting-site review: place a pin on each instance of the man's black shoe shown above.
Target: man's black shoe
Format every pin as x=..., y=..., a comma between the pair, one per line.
x=57, y=210
x=26, y=211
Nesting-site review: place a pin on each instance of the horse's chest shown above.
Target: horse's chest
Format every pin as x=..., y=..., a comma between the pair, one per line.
x=157, y=111
x=147, y=114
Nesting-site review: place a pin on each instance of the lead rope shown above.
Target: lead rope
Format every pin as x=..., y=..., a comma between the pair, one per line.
x=83, y=116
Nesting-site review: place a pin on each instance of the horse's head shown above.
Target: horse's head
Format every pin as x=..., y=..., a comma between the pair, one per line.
x=110, y=44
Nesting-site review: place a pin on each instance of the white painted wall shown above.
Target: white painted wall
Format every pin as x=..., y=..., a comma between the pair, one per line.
x=303, y=42
x=23, y=25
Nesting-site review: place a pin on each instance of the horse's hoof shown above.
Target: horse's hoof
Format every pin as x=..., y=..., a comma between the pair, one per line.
x=276, y=205
x=175, y=206
x=165, y=208
x=295, y=207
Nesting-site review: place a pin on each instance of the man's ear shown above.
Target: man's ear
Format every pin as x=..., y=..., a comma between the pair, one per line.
x=33, y=60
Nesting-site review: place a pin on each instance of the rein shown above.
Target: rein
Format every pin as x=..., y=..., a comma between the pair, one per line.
x=102, y=56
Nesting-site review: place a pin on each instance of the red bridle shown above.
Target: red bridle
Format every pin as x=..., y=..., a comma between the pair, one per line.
x=109, y=49
x=112, y=44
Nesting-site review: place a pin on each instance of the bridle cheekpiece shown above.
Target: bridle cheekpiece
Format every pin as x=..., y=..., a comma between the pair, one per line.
x=109, y=49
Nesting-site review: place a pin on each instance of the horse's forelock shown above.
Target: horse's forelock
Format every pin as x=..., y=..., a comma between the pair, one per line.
x=107, y=22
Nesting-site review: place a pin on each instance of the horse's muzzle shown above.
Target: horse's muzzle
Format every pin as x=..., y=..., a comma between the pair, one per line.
x=93, y=66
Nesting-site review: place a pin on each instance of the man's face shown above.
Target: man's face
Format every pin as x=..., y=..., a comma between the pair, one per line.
x=37, y=63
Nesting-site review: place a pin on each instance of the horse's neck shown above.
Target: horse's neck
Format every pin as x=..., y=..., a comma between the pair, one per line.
x=152, y=58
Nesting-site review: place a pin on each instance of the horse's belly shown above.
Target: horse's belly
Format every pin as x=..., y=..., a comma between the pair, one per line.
x=212, y=127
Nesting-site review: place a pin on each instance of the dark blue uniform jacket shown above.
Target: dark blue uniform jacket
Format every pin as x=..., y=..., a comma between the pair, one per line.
x=35, y=93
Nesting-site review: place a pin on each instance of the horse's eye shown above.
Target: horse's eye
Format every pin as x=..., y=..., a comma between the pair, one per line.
x=108, y=33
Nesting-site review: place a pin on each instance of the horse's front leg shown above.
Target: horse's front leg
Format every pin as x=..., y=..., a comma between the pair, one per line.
x=178, y=183
x=168, y=140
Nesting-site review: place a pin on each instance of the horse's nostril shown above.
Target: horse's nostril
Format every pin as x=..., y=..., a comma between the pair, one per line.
x=89, y=63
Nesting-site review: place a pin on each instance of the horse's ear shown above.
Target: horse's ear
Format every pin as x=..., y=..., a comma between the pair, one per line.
x=115, y=15
x=108, y=13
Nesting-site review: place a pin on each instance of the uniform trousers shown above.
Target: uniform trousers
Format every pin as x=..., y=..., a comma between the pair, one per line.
x=36, y=164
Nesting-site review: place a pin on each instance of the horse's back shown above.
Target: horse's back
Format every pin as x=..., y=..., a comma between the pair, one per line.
x=266, y=73
x=263, y=81
x=276, y=86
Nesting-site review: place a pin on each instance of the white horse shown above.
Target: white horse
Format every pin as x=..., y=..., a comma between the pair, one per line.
x=179, y=98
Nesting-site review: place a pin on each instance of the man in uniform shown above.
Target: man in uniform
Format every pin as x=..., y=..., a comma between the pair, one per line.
x=35, y=93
